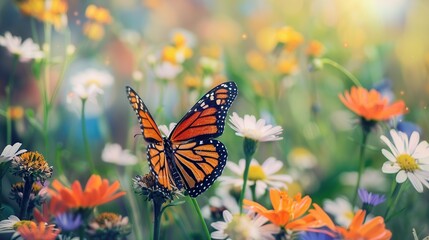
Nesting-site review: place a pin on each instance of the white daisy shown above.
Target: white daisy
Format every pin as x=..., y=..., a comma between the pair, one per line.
x=167, y=70
x=250, y=227
x=409, y=158
x=7, y=225
x=262, y=175
x=223, y=200
x=9, y=152
x=341, y=209
x=248, y=127
x=372, y=179
x=113, y=153
x=167, y=130
x=26, y=50
x=91, y=82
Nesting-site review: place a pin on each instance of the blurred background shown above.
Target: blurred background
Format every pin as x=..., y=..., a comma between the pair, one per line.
x=171, y=52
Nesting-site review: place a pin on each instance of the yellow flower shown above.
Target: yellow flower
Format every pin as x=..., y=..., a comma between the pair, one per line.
x=256, y=60
x=94, y=31
x=16, y=113
x=315, y=49
x=287, y=66
x=53, y=11
x=98, y=14
x=289, y=37
x=192, y=82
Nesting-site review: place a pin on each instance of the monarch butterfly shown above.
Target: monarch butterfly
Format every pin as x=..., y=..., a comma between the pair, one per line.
x=189, y=157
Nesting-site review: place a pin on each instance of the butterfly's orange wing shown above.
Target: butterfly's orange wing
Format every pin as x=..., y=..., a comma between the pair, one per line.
x=199, y=164
x=206, y=119
x=199, y=159
x=148, y=126
x=160, y=166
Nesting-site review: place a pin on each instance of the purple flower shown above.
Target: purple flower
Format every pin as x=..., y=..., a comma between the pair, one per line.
x=324, y=234
x=68, y=221
x=370, y=198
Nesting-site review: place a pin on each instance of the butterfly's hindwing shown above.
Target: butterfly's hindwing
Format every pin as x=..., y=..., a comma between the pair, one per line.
x=206, y=119
x=199, y=164
x=159, y=165
x=148, y=126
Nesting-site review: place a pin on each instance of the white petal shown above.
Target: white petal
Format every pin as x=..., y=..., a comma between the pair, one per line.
x=235, y=168
x=389, y=167
x=414, y=140
x=218, y=235
x=397, y=140
x=389, y=144
x=422, y=180
x=388, y=155
x=219, y=225
x=415, y=181
x=281, y=178
x=271, y=165
x=227, y=216
x=401, y=176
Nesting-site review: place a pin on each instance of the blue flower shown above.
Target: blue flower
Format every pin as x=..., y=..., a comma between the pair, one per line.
x=370, y=198
x=408, y=127
x=68, y=221
x=316, y=235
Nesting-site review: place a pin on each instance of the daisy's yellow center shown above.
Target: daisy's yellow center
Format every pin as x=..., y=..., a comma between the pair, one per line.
x=22, y=223
x=93, y=81
x=256, y=173
x=407, y=163
x=349, y=214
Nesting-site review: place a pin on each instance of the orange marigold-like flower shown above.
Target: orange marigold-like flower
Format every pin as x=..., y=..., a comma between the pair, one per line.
x=288, y=212
x=41, y=231
x=315, y=49
x=291, y=38
x=97, y=192
x=98, y=14
x=370, y=105
x=53, y=11
x=374, y=229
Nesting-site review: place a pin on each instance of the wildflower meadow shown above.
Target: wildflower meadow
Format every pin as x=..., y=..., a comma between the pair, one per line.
x=241, y=120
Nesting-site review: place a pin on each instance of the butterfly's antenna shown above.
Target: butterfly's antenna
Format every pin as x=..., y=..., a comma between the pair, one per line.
x=135, y=135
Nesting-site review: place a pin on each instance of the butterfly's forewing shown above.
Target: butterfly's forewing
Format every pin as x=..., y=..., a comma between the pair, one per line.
x=206, y=119
x=199, y=164
x=148, y=126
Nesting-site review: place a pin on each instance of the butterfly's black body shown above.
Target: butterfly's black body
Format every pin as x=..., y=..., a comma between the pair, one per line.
x=168, y=149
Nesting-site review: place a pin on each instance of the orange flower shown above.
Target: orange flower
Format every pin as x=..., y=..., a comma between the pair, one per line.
x=42, y=231
x=93, y=30
x=98, y=14
x=53, y=12
x=97, y=192
x=374, y=229
x=314, y=49
x=289, y=37
x=287, y=66
x=288, y=212
x=370, y=105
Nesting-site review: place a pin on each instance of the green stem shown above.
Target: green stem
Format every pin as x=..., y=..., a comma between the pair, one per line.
x=249, y=148
x=393, y=200
x=253, y=191
x=156, y=219
x=9, y=101
x=341, y=69
x=45, y=84
x=200, y=216
x=132, y=201
x=25, y=198
x=85, y=139
x=361, y=164
x=67, y=60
